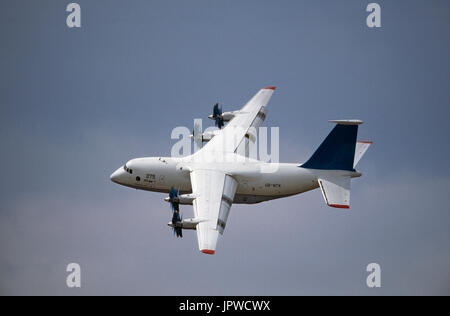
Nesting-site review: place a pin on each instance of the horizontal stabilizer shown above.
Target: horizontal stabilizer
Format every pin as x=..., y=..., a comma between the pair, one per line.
x=336, y=191
x=347, y=122
x=360, y=150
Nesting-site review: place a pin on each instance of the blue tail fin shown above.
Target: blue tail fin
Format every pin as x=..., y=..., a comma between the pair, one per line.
x=337, y=152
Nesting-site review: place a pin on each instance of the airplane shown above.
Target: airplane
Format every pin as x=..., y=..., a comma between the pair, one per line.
x=218, y=175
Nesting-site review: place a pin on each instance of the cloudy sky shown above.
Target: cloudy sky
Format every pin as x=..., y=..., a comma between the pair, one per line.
x=77, y=103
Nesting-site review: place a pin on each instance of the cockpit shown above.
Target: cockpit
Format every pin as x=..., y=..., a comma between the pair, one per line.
x=130, y=171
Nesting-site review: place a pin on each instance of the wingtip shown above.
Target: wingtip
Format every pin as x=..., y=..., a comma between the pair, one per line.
x=269, y=88
x=208, y=252
x=339, y=205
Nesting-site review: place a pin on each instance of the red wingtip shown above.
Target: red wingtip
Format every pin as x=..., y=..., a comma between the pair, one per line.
x=270, y=88
x=207, y=251
x=339, y=205
x=364, y=141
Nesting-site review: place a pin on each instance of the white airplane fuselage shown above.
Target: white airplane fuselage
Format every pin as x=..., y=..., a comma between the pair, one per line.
x=160, y=174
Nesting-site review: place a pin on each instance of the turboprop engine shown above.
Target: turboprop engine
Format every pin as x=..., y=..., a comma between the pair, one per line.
x=220, y=117
x=178, y=223
x=204, y=137
x=190, y=223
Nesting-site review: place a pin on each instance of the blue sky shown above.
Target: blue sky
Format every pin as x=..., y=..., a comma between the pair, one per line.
x=77, y=103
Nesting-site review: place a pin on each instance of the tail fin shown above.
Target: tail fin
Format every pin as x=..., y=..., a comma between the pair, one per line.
x=337, y=152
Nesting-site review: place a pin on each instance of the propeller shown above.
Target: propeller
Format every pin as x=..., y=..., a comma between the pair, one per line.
x=217, y=115
x=176, y=217
x=174, y=200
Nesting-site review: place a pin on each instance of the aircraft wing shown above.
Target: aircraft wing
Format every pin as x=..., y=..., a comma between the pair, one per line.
x=214, y=193
x=214, y=189
x=251, y=115
x=253, y=132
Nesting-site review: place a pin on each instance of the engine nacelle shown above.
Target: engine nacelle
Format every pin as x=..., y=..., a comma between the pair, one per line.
x=226, y=116
x=206, y=136
x=189, y=223
x=183, y=199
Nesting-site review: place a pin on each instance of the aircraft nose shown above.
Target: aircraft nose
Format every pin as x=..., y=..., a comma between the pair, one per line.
x=116, y=175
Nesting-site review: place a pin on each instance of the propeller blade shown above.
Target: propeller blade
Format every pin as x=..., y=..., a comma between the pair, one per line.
x=217, y=111
x=173, y=199
x=176, y=219
x=217, y=115
x=173, y=193
x=219, y=122
x=175, y=206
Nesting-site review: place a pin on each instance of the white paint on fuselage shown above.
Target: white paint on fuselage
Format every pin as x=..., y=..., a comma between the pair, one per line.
x=159, y=174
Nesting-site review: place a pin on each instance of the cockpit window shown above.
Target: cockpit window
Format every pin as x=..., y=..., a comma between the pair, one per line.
x=130, y=171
